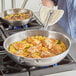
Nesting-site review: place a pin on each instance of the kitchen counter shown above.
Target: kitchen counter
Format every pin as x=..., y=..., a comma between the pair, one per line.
x=68, y=73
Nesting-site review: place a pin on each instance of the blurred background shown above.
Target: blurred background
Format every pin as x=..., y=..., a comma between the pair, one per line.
x=31, y=4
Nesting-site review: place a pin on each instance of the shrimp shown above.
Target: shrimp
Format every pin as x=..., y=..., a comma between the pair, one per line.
x=57, y=49
x=34, y=49
x=19, y=45
x=47, y=43
x=34, y=55
x=46, y=54
x=33, y=41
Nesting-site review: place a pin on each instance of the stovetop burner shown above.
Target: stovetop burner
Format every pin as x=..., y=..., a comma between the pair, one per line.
x=33, y=24
x=8, y=66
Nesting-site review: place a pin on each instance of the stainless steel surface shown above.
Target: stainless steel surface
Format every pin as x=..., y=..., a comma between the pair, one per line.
x=72, y=51
x=56, y=69
x=2, y=5
x=47, y=19
x=13, y=2
x=37, y=61
x=14, y=11
x=17, y=74
x=24, y=3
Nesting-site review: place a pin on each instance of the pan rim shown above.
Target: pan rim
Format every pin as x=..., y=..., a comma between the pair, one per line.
x=39, y=30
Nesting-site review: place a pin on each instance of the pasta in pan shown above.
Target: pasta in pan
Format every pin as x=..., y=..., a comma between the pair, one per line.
x=17, y=17
x=37, y=47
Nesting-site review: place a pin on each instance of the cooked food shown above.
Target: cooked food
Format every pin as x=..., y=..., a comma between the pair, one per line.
x=37, y=47
x=17, y=17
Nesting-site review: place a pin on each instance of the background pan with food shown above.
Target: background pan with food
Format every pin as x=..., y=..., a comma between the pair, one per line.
x=16, y=17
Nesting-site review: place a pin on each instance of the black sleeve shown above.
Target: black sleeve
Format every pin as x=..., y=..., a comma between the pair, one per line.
x=55, y=2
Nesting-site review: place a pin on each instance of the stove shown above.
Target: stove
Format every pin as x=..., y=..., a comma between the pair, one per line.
x=10, y=68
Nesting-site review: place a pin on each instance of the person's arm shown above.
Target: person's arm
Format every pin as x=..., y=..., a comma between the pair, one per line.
x=48, y=3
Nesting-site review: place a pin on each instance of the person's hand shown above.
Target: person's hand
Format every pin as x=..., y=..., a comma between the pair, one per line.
x=48, y=3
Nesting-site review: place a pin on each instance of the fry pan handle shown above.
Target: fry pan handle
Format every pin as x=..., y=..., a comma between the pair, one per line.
x=31, y=62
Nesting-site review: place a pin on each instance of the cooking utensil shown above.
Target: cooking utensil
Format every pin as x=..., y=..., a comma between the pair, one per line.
x=47, y=19
x=14, y=11
x=24, y=3
x=37, y=61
